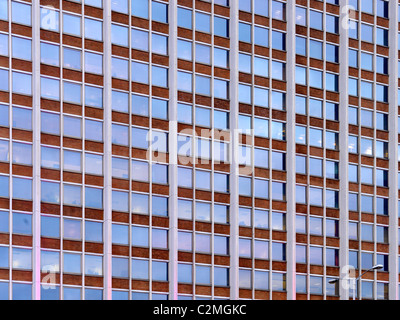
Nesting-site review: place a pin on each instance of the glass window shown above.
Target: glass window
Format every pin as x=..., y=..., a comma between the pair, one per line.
x=159, y=11
x=22, y=258
x=140, y=203
x=184, y=81
x=72, y=24
x=332, y=23
x=367, y=32
x=3, y=10
x=93, y=63
x=278, y=10
x=93, y=265
x=93, y=198
x=119, y=35
x=22, y=188
x=22, y=153
x=72, y=58
x=315, y=19
x=50, y=88
x=119, y=6
x=159, y=44
x=93, y=130
x=93, y=29
x=245, y=5
x=72, y=195
x=221, y=27
x=22, y=83
x=140, y=8
x=184, y=18
x=331, y=111
x=140, y=39
x=21, y=13
x=22, y=223
x=366, y=61
x=120, y=267
x=315, y=49
x=72, y=92
x=50, y=192
x=4, y=186
x=244, y=32
x=4, y=80
x=382, y=9
x=278, y=40
x=21, y=48
x=94, y=164
x=3, y=44
x=119, y=68
x=353, y=58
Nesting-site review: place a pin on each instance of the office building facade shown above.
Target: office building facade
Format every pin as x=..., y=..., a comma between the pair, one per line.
x=189, y=149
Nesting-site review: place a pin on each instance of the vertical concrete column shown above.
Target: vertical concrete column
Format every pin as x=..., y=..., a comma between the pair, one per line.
x=107, y=193
x=234, y=149
x=343, y=145
x=291, y=150
x=36, y=148
x=393, y=145
x=173, y=169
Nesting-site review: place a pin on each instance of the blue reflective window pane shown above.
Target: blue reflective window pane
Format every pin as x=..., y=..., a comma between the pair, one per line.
x=3, y=10
x=50, y=227
x=93, y=97
x=93, y=294
x=93, y=265
x=50, y=192
x=22, y=258
x=22, y=188
x=159, y=76
x=159, y=12
x=332, y=23
x=301, y=46
x=120, y=201
x=50, y=88
x=120, y=101
x=119, y=35
x=184, y=18
x=4, y=80
x=315, y=20
x=159, y=44
x=22, y=83
x=21, y=291
x=140, y=269
x=93, y=198
x=221, y=27
x=73, y=92
x=4, y=288
x=140, y=72
x=140, y=39
x=221, y=57
x=184, y=49
x=120, y=234
x=140, y=8
x=21, y=48
x=21, y=13
x=278, y=40
x=49, y=54
x=93, y=231
x=22, y=223
x=72, y=24
x=93, y=29
x=120, y=267
x=120, y=6
x=72, y=293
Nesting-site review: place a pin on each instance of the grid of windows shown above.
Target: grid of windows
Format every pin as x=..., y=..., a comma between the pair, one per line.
x=203, y=144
